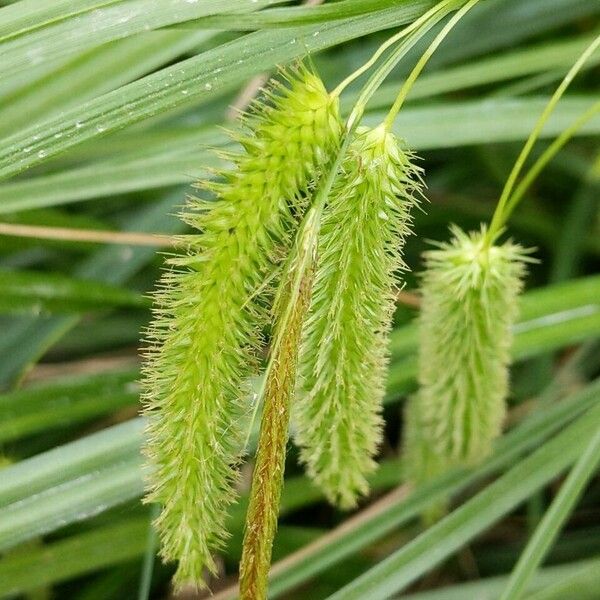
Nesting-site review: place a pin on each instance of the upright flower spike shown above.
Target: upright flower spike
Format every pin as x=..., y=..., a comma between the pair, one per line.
x=344, y=349
x=469, y=304
x=209, y=313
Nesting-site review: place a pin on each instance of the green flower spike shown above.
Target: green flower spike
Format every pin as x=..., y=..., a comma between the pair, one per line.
x=469, y=304
x=210, y=311
x=344, y=352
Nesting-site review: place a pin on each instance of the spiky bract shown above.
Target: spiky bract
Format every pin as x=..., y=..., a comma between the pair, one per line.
x=344, y=347
x=209, y=314
x=469, y=304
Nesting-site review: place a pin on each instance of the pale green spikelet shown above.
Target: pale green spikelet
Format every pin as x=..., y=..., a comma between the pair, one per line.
x=209, y=314
x=469, y=304
x=344, y=349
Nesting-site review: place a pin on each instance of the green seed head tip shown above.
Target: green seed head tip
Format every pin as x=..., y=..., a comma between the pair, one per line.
x=469, y=304
x=344, y=348
x=209, y=310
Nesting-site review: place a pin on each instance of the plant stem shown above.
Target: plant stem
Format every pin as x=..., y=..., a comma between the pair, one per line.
x=500, y=215
x=547, y=156
x=149, y=557
x=439, y=38
x=390, y=42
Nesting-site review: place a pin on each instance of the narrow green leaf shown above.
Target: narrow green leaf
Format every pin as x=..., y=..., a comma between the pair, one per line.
x=476, y=515
x=93, y=73
x=549, y=578
x=21, y=571
x=30, y=14
x=553, y=520
x=201, y=77
x=35, y=292
x=88, y=455
x=583, y=584
x=64, y=402
x=113, y=21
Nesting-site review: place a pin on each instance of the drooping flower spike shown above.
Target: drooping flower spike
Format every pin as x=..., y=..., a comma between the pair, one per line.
x=344, y=348
x=209, y=314
x=469, y=304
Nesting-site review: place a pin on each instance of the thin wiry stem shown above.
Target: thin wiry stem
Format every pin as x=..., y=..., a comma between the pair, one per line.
x=267, y=480
x=547, y=156
x=94, y=236
x=500, y=216
x=439, y=38
x=388, y=43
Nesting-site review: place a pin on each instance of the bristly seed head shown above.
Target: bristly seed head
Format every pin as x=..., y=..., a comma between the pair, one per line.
x=469, y=304
x=210, y=311
x=343, y=356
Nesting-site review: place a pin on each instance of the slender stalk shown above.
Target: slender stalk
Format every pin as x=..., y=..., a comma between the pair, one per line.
x=547, y=156
x=390, y=42
x=553, y=520
x=439, y=38
x=70, y=234
x=499, y=217
x=149, y=556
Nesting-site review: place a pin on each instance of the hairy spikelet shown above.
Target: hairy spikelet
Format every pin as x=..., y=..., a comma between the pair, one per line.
x=344, y=347
x=469, y=304
x=209, y=314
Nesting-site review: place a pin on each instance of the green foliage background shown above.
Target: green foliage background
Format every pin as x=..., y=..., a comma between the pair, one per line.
x=108, y=111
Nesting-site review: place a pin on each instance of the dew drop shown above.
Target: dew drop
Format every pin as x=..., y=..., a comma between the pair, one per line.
x=79, y=125
x=208, y=86
x=42, y=153
x=58, y=135
x=27, y=149
x=100, y=128
x=184, y=92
